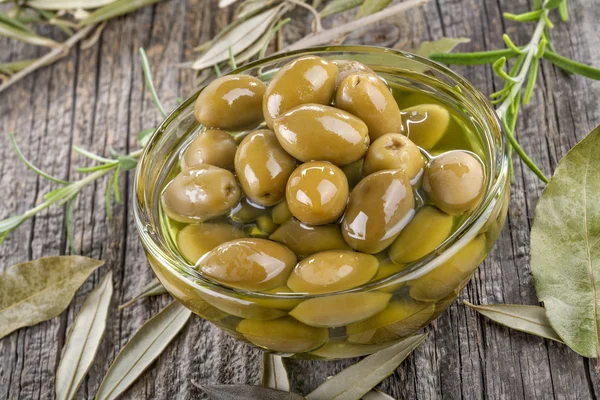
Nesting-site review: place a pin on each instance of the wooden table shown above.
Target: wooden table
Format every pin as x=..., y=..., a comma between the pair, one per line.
x=96, y=98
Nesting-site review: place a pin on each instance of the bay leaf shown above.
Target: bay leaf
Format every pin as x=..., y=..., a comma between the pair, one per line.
x=114, y=9
x=528, y=319
x=377, y=395
x=358, y=379
x=245, y=392
x=369, y=7
x=84, y=340
x=274, y=374
x=39, y=290
x=565, y=247
x=238, y=39
x=338, y=6
x=67, y=4
x=142, y=349
x=443, y=45
x=153, y=288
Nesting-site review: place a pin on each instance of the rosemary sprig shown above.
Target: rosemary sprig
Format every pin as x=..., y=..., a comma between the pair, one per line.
x=69, y=190
x=520, y=80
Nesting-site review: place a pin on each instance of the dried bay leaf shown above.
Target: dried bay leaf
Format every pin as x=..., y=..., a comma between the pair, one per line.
x=528, y=319
x=153, y=288
x=357, y=380
x=39, y=290
x=83, y=340
x=245, y=392
x=114, y=9
x=142, y=349
x=238, y=39
x=565, y=247
x=274, y=374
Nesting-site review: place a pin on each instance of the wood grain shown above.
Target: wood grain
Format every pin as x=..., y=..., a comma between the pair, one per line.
x=96, y=98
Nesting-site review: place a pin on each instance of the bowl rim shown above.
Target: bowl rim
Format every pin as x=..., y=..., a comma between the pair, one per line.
x=459, y=238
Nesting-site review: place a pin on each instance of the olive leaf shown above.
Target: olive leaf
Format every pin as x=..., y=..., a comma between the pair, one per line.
x=60, y=5
x=39, y=290
x=12, y=28
x=245, y=392
x=377, y=395
x=528, y=319
x=338, y=6
x=237, y=39
x=142, y=349
x=226, y=3
x=443, y=45
x=369, y=7
x=83, y=340
x=274, y=374
x=565, y=247
x=154, y=288
x=357, y=380
x=115, y=9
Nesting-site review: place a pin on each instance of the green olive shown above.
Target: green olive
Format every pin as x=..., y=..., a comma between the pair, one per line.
x=395, y=151
x=400, y=318
x=353, y=172
x=251, y=264
x=349, y=67
x=278, y=303
x=308, y=79
x=200, y=193
x=263, y=167
x=305, y=240
x=195, y=240
x=340, y=310
x=454, y=182
x=240, y=307
x=332, y=271
x=387, y=267
x=281, y=212
x=368, y=97
x=213, y=147
x=284, y=335
x=423, y=234
x=379, y=207
x=451, y=274
x=245, y=211
x=266, y=224
x=317, y=132
x=231, y=102
x=333, y=350
x=425, y=124
x=317, y=193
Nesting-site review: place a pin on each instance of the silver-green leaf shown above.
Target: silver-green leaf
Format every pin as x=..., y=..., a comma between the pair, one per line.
x=39, y=290
x=528, y=319
x=274, y=374
x=245, y=392
x=369, y=7
x=67, y=4
x=443, y=45
x=83, y=340
x=338, y=6
x=12, y=28
x=142, y=349
x=565, y=247
x=377, y=395
x=357, y=380
x=153, y=288
x=114, y=9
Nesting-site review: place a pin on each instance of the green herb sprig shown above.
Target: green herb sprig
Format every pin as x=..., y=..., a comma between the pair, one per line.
x=68, y=190
x=520, y=80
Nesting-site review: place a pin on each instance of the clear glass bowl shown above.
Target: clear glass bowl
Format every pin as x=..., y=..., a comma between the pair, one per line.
x=406, y=301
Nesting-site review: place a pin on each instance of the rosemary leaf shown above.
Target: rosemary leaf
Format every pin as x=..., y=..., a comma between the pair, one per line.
x=531, y=79
x=144, y=136
x=474, y=58
x=12, y=28
x=150, y=83
x=551, y=4
x=32, y=167
x=142, y=349
x=126, y=163
x=69, y=226
x=115, y=9
x=107, y=199
x=524, y=157
x=154, y=288
x=39, y=290
x=528, y=319
x=572, y=66
x=563, y=11
x=115, y=182
x=525, y=17
x=338, y=6
x=274, y=374
x=83, y=340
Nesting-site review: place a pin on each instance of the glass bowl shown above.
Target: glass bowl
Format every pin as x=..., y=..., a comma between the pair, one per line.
x=397, y=305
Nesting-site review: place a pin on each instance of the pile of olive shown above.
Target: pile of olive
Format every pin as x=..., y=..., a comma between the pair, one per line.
x=330, y=178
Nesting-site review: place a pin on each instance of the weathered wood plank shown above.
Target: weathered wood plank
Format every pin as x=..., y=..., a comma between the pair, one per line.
x=96, y=98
